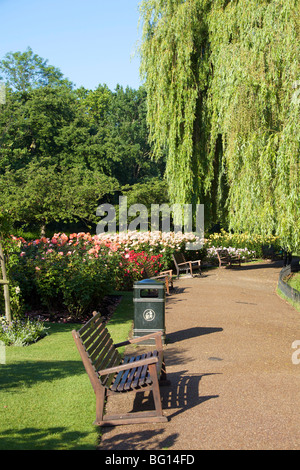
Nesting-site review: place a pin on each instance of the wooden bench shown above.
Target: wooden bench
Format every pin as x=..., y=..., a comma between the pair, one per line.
x=188, y=266
x=111, y=375
x=226, y=258
x=167, y=276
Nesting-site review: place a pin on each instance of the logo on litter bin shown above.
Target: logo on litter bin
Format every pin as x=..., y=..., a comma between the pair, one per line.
x=149, y=314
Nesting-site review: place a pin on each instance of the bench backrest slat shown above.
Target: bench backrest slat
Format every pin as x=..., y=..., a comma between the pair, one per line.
x=87, y=329
x=97, y=348
x=179, y=257
x=94, y=349
x=149, y=271
x=114, y=361
x=103, y=357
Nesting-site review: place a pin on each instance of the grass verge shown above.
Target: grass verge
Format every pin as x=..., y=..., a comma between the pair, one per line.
x=294, y=281
x=46, y=399
x=294, y=304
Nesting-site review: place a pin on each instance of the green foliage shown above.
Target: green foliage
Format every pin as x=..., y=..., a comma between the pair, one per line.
x=65, y=151
x=253, y=243
x=23, y=71
x=174, y=63
x=5, y=224
x=128, y=150
x=256, y=62
x=222, y=81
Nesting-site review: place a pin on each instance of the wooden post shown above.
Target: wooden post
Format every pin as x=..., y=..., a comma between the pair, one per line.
x=4, y=281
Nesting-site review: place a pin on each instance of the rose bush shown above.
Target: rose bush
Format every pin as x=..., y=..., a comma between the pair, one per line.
x=75, y=271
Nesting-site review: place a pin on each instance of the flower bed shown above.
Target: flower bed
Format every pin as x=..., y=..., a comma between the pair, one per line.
x=251, y=244
x=75, y=272
x=244, y=253
x=21, y=332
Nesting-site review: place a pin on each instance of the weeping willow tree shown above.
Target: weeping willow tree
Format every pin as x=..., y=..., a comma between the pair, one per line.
x=223, y=83
x=255, y=52
x=175, y=65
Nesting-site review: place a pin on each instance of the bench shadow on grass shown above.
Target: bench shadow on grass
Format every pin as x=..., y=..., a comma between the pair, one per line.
x=20, y=374
x=31, y=438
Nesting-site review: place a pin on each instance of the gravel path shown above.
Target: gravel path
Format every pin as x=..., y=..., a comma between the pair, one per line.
x=229, y=360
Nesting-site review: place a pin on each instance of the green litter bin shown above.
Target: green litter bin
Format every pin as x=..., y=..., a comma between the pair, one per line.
x=149, y=308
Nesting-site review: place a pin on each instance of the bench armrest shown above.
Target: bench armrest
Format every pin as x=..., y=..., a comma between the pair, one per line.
x=198, y=262
x=129, y=365
x=168, y=273
x=155, y=335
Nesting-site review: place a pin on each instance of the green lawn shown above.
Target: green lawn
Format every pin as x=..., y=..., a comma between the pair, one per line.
x=46, y=399
x=294, y=281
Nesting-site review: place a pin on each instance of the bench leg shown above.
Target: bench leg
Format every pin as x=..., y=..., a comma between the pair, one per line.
x=100, y=400
x=155, y=390
x=163, y=375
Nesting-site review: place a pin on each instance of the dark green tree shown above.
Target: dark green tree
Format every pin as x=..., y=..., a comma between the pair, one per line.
x=63, y=151
x=23, y=71
x=128, y=149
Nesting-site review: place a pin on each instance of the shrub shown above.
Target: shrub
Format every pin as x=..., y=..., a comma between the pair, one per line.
x=21, y=332
x=251, y=243
x=60, y=273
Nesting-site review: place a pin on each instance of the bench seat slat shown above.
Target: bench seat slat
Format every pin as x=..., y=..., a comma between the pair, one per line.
x=144, y=371
x=137, y=382
x=123, y=380
x=119, y=375
x=131, y=375
x=134, y=377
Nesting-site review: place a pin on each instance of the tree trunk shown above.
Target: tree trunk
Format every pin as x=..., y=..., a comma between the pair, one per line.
x=43, y=230
x=4, y=281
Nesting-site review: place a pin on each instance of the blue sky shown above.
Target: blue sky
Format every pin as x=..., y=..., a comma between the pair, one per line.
x=91, y=41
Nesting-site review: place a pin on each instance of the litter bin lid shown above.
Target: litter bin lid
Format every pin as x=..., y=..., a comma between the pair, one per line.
x=148, y=282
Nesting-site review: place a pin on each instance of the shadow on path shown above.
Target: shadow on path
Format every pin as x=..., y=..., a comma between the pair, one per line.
x=180, y=396
x=189, y=333
x=248, y=267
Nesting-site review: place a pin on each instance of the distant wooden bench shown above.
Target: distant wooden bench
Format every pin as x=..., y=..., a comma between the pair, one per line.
x=167, y=276
x=226, y=258
x=182, y=265
x=111, y=375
